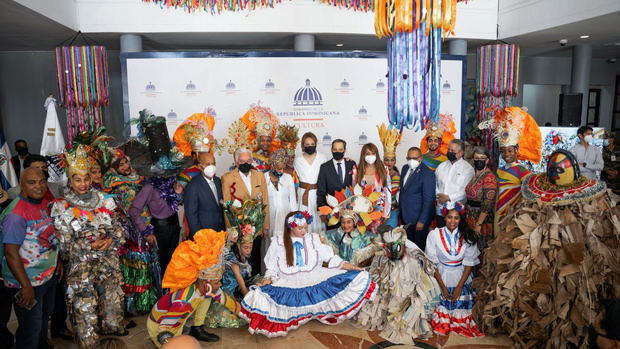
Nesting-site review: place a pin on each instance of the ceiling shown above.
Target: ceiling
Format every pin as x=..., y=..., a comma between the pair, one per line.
x=26, y=30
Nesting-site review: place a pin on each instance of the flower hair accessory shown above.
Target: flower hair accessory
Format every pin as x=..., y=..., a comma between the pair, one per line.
x=457, y=206
x=299, y=219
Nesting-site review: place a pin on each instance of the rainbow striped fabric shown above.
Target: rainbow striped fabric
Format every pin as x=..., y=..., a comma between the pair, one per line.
x=509, y=180
x=186, y=176
x=173, y=309
x=432, y=162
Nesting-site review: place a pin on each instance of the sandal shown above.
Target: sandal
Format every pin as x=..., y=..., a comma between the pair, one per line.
x=130, y=324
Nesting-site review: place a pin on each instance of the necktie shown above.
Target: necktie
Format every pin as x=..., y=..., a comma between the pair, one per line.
x=340, y=173
x=214, y=190
x=409, y=175
x=299, y=258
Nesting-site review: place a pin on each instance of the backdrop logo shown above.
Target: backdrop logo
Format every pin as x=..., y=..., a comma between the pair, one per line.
x=150, y=90
x=379, y=87
x=270, y=88
x=308, y=96
x=345, y=87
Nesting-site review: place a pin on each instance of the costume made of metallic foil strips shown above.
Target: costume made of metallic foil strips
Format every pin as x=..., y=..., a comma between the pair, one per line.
x=93, y=277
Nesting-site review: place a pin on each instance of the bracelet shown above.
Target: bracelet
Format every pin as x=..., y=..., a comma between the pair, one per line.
x=164, y=337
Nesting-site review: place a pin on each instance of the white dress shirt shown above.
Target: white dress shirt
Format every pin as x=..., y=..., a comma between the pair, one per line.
x=281, y=201
x=592, y=157
x=344, y=168
x=247, y=180
x=452, y=178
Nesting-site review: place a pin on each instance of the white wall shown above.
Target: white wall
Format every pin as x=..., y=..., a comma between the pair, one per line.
x=516, y=16
x=542, y=102
x=61, y=11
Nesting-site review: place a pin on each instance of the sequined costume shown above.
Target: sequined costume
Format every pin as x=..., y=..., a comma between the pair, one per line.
x=93, y=277
x=354, y=247
x=135, y=256
x=260, y=161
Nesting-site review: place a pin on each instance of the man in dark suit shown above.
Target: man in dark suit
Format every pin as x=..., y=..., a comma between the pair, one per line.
x=417, y=197
x=203, y=196
x=22, y=153
x=334, y=175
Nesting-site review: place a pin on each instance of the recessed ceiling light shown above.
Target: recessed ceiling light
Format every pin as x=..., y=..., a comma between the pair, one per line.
x=584, y=36
x=339, y=45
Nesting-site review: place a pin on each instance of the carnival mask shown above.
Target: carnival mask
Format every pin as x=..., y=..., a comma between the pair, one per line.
x=562, y=168
x=393, y=241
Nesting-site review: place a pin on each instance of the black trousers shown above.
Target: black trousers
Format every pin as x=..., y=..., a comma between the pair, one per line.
x=255, y=257
x=167, y=241
x=6, y=304
x=59, y=316
x=417, y=237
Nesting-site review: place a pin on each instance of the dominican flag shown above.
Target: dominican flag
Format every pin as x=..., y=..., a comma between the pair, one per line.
x=8, y=178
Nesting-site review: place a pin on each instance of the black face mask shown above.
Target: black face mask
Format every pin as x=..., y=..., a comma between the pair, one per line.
x=338, y=155
x=245, y=168
x=310, y=149
x=276, y=173
x=480, y=164
x=22, y=151
x=451, y=156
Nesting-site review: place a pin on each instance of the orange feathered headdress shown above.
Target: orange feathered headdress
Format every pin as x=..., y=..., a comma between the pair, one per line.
x=514, y=126
x=262, y=121
x=191, y=259
x=443, y=128
x=196, y=133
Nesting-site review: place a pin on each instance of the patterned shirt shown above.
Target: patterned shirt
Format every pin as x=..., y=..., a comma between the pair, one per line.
x=28, y=224
x=187, y=175
x=433, y=162
x=509, y=180
x=260, y=161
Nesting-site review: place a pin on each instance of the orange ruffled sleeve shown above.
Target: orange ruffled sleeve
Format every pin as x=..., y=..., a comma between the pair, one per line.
x=192, y=256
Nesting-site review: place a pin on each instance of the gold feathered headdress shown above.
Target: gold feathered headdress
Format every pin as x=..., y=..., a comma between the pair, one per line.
x=77, y=160
x=390, y=138
x=288, y=135
x=196, y=133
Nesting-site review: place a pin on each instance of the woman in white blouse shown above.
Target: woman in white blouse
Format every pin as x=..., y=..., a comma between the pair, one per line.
x=281, y=190
x=307, y=168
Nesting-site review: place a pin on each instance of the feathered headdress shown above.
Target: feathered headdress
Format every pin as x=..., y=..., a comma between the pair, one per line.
x=359, y=204
x=390, y=138
x=288, y=136
x=197, y=259
x=77, y=161
x=444, y=129
x=196, y=133
x=513, y=126
x=245, y=220
x=262, y=122
x=239, y=137
x=96, y=144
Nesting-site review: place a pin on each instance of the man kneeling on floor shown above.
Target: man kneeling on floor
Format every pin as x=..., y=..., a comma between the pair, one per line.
x=194, y=278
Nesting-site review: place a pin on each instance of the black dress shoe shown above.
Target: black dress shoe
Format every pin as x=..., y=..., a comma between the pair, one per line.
x=200, y=334
x=64, y=334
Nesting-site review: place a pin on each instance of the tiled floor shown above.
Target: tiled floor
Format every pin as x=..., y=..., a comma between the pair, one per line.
x=311, y=335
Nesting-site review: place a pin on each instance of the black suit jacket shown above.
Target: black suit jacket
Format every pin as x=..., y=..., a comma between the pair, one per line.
x=329, y=183
x=16, y=166
x=202, y=209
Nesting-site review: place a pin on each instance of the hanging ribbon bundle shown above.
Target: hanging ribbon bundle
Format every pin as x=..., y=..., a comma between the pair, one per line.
x=414, y=29
x=215, y=6
x=497, y=82
x=82, y=73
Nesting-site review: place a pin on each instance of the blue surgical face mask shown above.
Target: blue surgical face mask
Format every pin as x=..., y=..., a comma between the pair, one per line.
x=276, y=173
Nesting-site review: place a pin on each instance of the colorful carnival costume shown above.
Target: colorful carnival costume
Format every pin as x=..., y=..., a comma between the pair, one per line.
x=407, y=291
x=451, y=254
x=288, y=136
x=263, y=123
x=93, y=277
x=481, y=194
x=514, y=127
x=306, y=290
x=360, y=206
x=245, y=221
x=194, y=136
x=192, y=260
x=444, y=130
x=390, y=138
x=556, y=258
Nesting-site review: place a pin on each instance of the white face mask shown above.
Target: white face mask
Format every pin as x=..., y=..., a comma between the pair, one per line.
x=370, y=159
x=413, y=164
x=588, y=138
x=209, y=171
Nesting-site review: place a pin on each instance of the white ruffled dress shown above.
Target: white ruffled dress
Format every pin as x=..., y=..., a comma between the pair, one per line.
x=306, y=290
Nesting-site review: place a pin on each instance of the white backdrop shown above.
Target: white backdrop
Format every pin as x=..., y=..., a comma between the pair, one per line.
x=350, y=102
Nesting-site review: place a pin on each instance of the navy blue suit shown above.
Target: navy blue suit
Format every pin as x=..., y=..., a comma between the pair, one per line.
x=202, y=209
x=417, y=202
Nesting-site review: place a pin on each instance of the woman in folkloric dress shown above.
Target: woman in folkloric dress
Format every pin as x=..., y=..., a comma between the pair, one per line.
x=297, y=288
x=453, y=250
x=307, y=168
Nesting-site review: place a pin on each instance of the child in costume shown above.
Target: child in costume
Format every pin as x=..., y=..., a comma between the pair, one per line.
x=245, y=222
x=89, y=235
x=390, y=138
x=193, y=276
x=352, y=241
x=453, y=249
x=407, y=291
x=297, y=288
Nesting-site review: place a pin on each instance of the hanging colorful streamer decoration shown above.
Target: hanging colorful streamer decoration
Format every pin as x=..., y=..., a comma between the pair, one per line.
x=219, y=6
x=497, y=83
x=83, y=83
x=415, y=29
